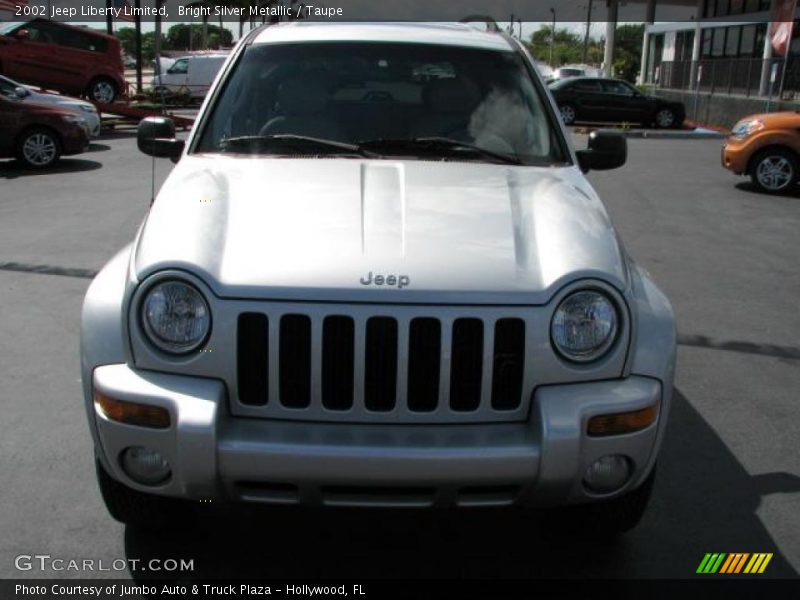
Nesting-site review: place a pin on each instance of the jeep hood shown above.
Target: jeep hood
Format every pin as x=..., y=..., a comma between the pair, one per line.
x=272, y=228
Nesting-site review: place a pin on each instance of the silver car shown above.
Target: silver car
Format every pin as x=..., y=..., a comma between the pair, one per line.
x=376, y=277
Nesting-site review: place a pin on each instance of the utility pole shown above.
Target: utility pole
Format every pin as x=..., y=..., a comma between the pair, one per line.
x=552, y=35
x=586, y=35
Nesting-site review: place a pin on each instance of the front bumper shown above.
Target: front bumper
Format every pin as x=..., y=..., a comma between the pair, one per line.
x=213, y=455
x=734, y=157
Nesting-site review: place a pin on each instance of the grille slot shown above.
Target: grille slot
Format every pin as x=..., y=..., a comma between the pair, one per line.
x=467, y=363
x=295, y=361
x=338, y=347
x=509, y=362
x=252, y=347
x=346, y=364
x=424, y=355
x=380, y=364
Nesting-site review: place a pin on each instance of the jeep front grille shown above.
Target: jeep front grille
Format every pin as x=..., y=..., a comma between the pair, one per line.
x=350, y=366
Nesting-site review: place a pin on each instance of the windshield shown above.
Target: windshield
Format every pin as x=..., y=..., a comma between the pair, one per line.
x=389, y=98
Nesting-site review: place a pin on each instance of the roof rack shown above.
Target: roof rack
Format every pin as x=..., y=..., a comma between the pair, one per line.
x=491, y=24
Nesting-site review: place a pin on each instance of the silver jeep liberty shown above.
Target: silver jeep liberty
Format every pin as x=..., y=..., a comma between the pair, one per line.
x=377, y=276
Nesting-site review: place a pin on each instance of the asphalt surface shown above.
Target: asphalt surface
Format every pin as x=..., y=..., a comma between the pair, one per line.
x=729, y=474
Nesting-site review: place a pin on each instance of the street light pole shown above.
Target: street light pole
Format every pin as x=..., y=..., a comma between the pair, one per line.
x=586, y=35
x=552, y=35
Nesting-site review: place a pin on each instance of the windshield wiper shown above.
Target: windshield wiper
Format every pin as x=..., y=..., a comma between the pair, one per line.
x=280, y=143
x=436, y=146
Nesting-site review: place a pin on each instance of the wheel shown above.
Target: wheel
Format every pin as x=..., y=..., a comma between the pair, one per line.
x=666, y=118
x=568, y=114
x=39, y=148
x=774, y=170
x=102, y=90
x=604, y=519
x=135, y=508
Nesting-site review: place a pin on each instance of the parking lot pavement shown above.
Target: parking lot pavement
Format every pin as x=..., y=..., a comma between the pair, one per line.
x=729, y=475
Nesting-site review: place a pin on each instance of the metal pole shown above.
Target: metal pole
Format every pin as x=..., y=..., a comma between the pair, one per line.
x=552, y=35
x=109, y=19
x=586, y=34
x=137, y=5
x=783, y=76
x=697, y=78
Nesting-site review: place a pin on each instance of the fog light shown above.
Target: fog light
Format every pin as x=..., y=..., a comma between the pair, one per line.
x=145, y=465
x=607, y=474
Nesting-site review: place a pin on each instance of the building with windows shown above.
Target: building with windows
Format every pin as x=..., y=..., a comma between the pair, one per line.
x=725, y=50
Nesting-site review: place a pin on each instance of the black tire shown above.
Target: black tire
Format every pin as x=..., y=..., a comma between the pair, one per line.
x=666, y=118
x=605, y=519
x=568, y=114
x=38, y=148
x=102, y=90
x=774, y=170
x=137, y=509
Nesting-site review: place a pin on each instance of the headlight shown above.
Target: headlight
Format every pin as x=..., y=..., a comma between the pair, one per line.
x=176, y=317
x=584, y=326
x=746, y=128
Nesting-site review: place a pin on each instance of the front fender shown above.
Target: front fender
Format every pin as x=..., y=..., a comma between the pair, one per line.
x=103, y=327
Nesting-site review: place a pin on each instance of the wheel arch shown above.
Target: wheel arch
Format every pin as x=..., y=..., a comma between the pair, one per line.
x=768, y=147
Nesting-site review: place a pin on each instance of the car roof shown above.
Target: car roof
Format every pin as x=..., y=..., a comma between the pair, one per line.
x=454, y=34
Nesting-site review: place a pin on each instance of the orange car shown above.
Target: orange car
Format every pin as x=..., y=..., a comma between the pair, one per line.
x=767, y=148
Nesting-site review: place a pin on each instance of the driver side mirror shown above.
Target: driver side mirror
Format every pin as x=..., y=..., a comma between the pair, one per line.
x=605, y=150
x=22, y=35
x=155, y=136
x=21, y=92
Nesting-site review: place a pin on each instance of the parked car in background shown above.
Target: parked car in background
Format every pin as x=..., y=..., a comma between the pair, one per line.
x=14, y=90
x=192, y=74
x=72, y=60
x=613, y=100
x=39, y=134
x=767, y=148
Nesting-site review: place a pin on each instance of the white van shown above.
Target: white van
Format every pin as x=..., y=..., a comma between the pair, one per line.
x=193, y=74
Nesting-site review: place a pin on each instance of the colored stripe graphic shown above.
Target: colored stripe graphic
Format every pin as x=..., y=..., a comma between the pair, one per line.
x=733, y=563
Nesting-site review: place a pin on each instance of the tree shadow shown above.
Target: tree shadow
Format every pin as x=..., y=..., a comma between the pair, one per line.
x=704, y=501
x=14, y=169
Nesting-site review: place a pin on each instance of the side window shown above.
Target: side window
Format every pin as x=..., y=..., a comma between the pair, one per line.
x=7, y=89
x=615, y=87
x=180, y=67
x=586, y=86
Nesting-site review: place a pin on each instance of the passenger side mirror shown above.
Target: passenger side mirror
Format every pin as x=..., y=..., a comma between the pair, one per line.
x=605, y=150
x=155, y=136
x=21, y=92
x=22, y=34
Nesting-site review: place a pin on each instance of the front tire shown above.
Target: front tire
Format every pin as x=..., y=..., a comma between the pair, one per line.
x=135, y=508
x=604, y=519
x=38, y=148
x=568, y=114
x=774, y=170
x=102, y=90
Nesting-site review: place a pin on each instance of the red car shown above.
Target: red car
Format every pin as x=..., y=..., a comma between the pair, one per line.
x=72, y=60
x=39, y=134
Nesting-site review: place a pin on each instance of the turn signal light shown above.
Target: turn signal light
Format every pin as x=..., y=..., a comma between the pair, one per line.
x=132, y=413
x=619, y=423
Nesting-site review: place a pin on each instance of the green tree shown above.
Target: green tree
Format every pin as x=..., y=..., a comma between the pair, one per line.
x=567, y=47
x=628, y=51
x=178, y=37
x=127, y=37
